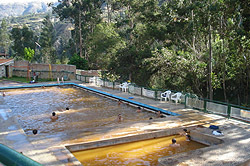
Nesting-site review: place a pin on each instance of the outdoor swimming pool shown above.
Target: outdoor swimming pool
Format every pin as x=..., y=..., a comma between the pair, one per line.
x=88, y=112
x=145, y=152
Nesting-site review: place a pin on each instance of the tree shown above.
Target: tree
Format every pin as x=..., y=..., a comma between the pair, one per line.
x=47, y=40
x=28, y=54
x=79, y=62
x=4, y=36
x=104, y=44
x=84, y=14
x=22, y=37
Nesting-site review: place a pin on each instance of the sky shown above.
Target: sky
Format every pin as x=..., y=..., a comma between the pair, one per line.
x=24, y=1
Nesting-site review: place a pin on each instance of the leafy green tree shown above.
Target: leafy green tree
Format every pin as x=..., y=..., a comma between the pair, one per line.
x=4, y=36
x=196, y=46
x=47, y=40
x=28, y=54
x=84, y=14
x=104, y=44
x=22, y=37
x=79, y=62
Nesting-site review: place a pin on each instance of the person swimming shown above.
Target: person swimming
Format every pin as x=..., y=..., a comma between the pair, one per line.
x=119, y=102
x=4, y=94
x=188, y=137
x=119, y=118
x=138, y=109
x=174, y=144
x=160, y=115
x=67, y=108
x=184, y=132
x=35, y=131
x=54, y=116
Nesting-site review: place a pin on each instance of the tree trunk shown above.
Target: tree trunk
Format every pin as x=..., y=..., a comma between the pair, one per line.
x=109, y=14
x=224, y=87
x=210, y=65
x=80, y=34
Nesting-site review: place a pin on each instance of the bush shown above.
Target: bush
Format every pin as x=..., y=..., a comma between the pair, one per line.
x=79, y=62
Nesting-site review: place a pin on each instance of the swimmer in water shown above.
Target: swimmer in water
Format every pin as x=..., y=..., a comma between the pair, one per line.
x=119, y=118
x=159, y=114
x=119, y=102
x=184, y=132
x=34, y=131
x=188, y=137
x=138, y=109
x=174, y=144
x=67, y=108
x=4, y=94
x=54, y=116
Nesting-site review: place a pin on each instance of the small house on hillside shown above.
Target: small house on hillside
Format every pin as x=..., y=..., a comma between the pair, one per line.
x=5, y=69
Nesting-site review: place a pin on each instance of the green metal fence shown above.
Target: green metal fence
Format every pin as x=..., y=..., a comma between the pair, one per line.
x=189, y=100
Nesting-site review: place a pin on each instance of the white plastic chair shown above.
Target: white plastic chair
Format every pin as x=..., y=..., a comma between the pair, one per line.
x=99, y=82
x=92, y=80
x=166, y=95
x=176, y=97
x=124, y=86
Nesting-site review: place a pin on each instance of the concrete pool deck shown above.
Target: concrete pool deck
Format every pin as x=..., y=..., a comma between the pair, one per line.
x=234, y=151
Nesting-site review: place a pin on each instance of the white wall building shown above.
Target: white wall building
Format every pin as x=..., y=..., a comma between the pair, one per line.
x=5, y=69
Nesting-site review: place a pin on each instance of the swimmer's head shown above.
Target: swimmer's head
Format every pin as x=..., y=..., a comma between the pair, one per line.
x=139, y=108
x=188, y=137
x=173, y=140
x=185, y=130
x=53, y=114
x=34, y=131
x=150, y=118
x=67, y=108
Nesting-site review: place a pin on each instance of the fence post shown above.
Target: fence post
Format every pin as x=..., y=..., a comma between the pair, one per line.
x=141, y=91
x=155, y=94
x=185, y=102
x=205, y=105
x=229, y=111
x=113, y=85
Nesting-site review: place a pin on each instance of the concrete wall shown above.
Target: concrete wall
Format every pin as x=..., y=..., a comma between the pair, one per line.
x=205, y=138
x=88, y=72
x=44, y=71
x=2, y=71
x=121, y=140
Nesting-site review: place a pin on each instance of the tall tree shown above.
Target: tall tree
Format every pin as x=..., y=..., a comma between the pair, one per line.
x=22, y=37
x=47, y=40
x=84, y=14
x=4, y=36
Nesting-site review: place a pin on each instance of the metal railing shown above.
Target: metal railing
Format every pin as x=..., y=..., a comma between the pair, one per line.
x=217, y=107
x=9, y=156
x=189, y=100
